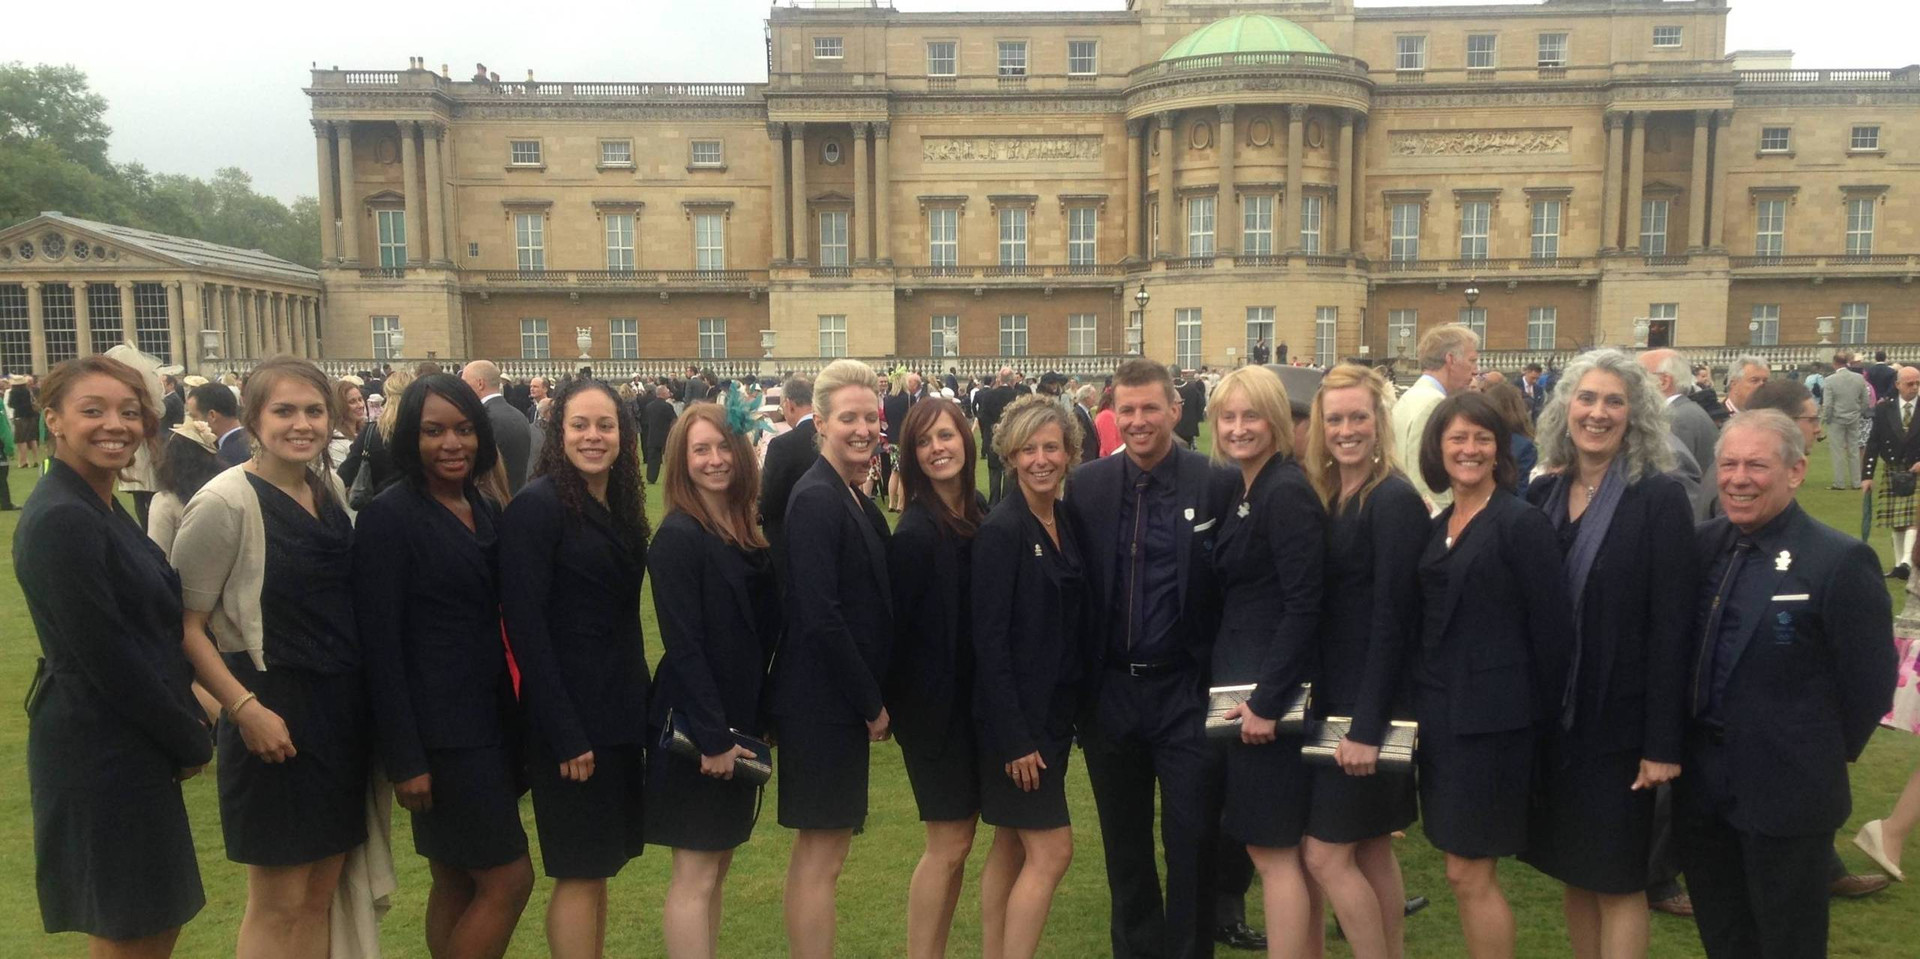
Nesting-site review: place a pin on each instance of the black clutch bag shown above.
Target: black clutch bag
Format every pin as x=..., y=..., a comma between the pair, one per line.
x=1396, y=747
x=1292, y=720
x=753, y=770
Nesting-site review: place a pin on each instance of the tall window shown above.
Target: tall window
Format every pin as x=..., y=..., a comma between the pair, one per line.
x=103, y=313
x=533, y=338
x=16, y=329
x=616, y=152
x=1013, y=236
x=709, y=241
x=1259, y=328
x=940, y=58
x=828, y=48
x=1326, y=330
x=1474, y=318
x=1860, y=226
x=1865, y=137
x=1200, y=226
x=1013, y=58
x=1310, y=225
x=1404, y=244
x=1013, y=334
x=152, y=321
x=1770, y=228
x=1083, y=334
x=1666, y=38
x=1403, y=327
x=1653, y=227
x=523, y=152
x=1542, y=327
x=1482, y=48
x=392, y=225
x=1776, y=139
x=1153, y=229
x=1186, y=338
x=1553, y=51
x=833, y=238
x=624, y=338
x=1765, y=328
x=1476, y=219
x=57, y=315
x=1546, y=230
x=1661, y=318
x=1853, y=322
x=943, y=236
x=530, y=241
x=1410, y=53
x=713, y=338
x=1256, y=214
x=1083, y=231
x=384, y=327
x=620, y=241
x=833, y=335
x=1083, y=57
x=943, y=335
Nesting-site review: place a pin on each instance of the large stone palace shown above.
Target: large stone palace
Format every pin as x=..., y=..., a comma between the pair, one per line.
x=1299, y=172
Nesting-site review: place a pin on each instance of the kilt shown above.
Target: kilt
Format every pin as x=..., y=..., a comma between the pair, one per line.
x=1893, y=512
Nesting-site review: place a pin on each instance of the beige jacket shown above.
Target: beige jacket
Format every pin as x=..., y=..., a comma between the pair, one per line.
x=1409, y=415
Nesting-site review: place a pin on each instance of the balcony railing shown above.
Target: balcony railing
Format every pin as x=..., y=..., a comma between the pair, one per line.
x=617, y=279
x=427, y=80
x=1823, y=261
x=1013, y=271
x=1274, y=61
x=1487, y=267
x=384, y=273
x=1899, y=75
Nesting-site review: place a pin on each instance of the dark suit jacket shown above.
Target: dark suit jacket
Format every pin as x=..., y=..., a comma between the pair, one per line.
x=1499, y=641
x=1883, y=379
x=894, y=406
x=1372, y=607
x=1811, y=679
x=788, y=456
x=1089, y=437
x=1023, y=629
x=719, y=634
x=1193, y=408
x=1889, y=441
x=514, y=435
x=839, y=606
x=987, y=408
x=657, y=425
x=570, y=590
x=1636, y=621
x=931, y=666
x=1270, y=563
x=234, y=449
x=173, y=410
x=427, y=603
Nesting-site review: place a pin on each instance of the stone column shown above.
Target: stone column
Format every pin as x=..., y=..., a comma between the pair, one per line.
x=176, y=323
x=262, y=324
x=777, y=153
x=1359, y=201
x=223, y=302
x=239, y=337
x=126, y=312
x=1717, y=218
x=410, y=192
x=1296, y=155
x=82, y=319
x=434, y=239
x=798, y=143
x=1636, y=176
x=1697, y=188
x=1169, y=246
x=862, y=238
x=1610, y=185
x=1343, y=185
x=1135, y=229
x=1226, y=225
x=323, y=158
x=882, y=192
x=36, y=330
x=349, y=199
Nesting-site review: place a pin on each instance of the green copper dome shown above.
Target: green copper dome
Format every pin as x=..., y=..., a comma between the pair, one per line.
x=1246, y=33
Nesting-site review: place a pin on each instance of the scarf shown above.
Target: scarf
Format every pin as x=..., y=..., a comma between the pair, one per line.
x=1579, y=561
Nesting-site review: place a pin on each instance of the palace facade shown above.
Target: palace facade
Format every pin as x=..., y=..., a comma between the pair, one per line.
x=982, y=185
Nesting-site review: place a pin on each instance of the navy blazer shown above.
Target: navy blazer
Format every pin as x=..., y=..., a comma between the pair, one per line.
x=1093, y=497
x=840, y=605
x=1089, y=437
x=931, y=665
x=718, y=630
x=426, y=599
x=570, y=589
x=1636, y=622
x=117, y=704
x=234, y=448
x=1813, y=673
x=788, y=457
x=513, y=435
x=1371, y=616
x=1022, y=628
x=1270, y=561
x=1501, y=638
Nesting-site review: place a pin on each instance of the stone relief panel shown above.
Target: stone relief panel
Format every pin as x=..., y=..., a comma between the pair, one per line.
x=1009, y=148
x=1408, y=143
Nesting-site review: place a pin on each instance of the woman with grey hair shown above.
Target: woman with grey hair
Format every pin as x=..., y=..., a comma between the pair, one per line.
x=1625, y=536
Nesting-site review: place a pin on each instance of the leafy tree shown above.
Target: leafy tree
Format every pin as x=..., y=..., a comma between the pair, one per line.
x=53, y=103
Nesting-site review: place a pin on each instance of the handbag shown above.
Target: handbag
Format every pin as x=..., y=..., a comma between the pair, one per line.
x=1901, y=483
x=753, y=770
x=1396, y=747
x=37, y=688
x=1221, y=700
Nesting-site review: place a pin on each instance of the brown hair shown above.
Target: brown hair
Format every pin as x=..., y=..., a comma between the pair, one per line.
x=922, y=417
x=1322, y=471
x=58, y=382
x=1475, y=408
x=1141, y=371
x=340, y=388
x=678, y=492
x=1512, y=406
x=266, y=376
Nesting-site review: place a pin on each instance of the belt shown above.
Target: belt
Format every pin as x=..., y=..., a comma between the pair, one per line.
x=1140, y=670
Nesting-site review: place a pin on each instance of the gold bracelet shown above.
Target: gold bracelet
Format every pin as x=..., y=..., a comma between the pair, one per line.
x=234, y=710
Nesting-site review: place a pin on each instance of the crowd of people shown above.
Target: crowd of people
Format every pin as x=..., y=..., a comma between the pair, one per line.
x=1361, y=609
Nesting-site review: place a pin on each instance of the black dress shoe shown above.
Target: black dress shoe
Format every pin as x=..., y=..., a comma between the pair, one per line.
x=1416, y=904
x=1239, y=935
x=1901, y=571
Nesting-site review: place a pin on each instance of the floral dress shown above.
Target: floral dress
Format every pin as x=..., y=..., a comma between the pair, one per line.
x=1905, y=715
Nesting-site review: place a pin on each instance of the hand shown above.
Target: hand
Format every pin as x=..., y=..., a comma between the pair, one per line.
x=1356, y=759
x=1025, y=771
x=264, y=732
x=416, y=794
x=1653, y=774
x=1254, y=731
x=579, y=769
x=1866, y=485
x=1915, y=468
x=720, y=765
x=183, y=775
x=880, y=728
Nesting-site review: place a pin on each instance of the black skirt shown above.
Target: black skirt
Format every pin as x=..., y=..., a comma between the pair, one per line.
x=1268, y=789
x=1589, y=829
x=688, y=810
x=475, y=819
x=114, y=859
x=313, y=805
x=1356, y=808
x=823, y=775
x=1474, y=790
x=589, y=830
x=944, y=772
x=1004, y=803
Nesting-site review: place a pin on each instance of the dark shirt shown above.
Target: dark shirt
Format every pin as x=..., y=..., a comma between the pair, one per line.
x=1147, y=602
x=1737, y=596
x=1065, y=562
x=306, y=595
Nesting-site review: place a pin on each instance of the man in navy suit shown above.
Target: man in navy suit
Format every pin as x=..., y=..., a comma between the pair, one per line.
x=1792, y=672
x=214, y=405
x=788, y=457
x=1149, y=518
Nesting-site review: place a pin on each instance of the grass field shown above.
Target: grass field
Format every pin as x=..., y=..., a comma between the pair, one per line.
x=873, y=889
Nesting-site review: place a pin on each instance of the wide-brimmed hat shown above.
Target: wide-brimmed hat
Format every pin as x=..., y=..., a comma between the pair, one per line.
x=193, y=381
x=18, y=379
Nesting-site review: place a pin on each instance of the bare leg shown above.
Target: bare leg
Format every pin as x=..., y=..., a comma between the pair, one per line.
x=813, y=877
x=1382, y=869
x=1004, y=860
x=1898, y=825
x=1048, y=853
x=447, y=900
x=1623, y=925
x=719, y=900
x=1283, y=886
x=157, y=946
x=1485, y=918
x=934, y=892
x=496, y=898
x=286, y=915
x=1582, y=909
x=577, y=918
x=688, y=921
x=1336, y=870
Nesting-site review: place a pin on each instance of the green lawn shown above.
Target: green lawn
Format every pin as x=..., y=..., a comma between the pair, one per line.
x=873, y=889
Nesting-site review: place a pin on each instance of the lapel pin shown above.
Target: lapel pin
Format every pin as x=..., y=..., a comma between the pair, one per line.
x=1782, y=562
x=1036, y=549
x=1245, y=509
x=1189, y=513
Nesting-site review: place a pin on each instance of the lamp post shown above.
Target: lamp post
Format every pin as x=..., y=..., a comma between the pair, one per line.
x=1472, y=292
x=1137, y=330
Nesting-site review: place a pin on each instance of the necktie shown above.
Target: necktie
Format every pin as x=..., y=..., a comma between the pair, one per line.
x=1710, y=640
x=1906, y=416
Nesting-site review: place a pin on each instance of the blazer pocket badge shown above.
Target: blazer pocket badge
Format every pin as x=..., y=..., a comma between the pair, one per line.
x=1782, y=562
x=1783, y=631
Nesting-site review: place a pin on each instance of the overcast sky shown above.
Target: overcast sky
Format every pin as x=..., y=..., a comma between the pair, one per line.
x=194, y=87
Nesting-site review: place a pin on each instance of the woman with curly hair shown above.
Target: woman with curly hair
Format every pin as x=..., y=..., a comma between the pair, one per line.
x=573, y=552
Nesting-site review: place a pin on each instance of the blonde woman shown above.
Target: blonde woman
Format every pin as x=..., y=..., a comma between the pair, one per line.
x=369, y=451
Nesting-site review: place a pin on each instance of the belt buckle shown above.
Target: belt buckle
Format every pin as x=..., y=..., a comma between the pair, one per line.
x=1139, y=670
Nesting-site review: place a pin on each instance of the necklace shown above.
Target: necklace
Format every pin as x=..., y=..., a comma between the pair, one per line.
x=1044, y=521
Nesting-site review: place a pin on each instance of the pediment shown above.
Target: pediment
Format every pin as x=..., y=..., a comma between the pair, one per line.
x=47, y=245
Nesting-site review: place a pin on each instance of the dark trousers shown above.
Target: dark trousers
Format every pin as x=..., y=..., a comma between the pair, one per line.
x=996, y=477
x=142, y=502
x=1234, y=869
x=6, y=489
x=653, y=457
x=1663, y=865
x=1149, y=731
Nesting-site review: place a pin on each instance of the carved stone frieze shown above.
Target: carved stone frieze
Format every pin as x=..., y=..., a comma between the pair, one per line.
x=945, y=106
x=1492, y=98
x=1836, y=98
x=1417, y=143
x=1010, y=148
x=1672, y=92
x=1346, y=90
